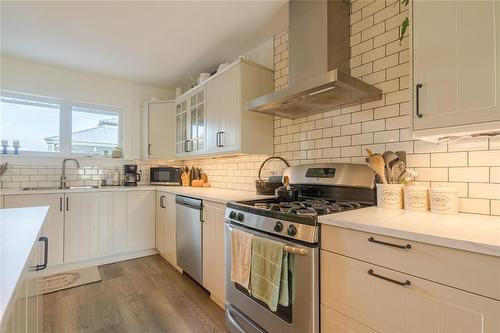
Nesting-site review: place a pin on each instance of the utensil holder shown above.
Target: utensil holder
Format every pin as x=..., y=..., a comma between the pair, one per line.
x=390, y=196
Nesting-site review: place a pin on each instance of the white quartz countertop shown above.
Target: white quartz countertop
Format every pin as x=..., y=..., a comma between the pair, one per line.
x=206, y=193
x=77, y=190
x=19, y=229
x=468, y=232
x=212, y=194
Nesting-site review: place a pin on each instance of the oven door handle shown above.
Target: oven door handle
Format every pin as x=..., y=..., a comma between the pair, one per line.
x=233, y=321
x=295, y=250
x=286, y=248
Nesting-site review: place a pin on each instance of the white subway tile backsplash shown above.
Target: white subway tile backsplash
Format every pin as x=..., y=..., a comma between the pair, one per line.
x=418, y=160
x=432, y=174
x=374, y=125
x=350, y=129
x=474, y=206
x=484, y=190
x=469, y=144
x=495, y=175
x=400, y=146
x=484, y=158
x=386, y=136
x=495, y=207
x=449, y=159
x=362, y=139
x=429, y=147
x=469, y=174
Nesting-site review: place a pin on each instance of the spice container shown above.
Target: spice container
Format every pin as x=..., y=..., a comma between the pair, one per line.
x=416, y=198
x=444, y=200
x=390, y=196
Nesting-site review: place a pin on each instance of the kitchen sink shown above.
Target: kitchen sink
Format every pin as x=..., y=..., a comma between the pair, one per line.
x=41, y=188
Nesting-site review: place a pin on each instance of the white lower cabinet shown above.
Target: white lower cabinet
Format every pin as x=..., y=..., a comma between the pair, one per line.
x=213, y=251
x=87, y=226
x=140, y=220
x=359, y=296
x=27, y=311
x=53, y=228
x=165, y=226
x=91, y=225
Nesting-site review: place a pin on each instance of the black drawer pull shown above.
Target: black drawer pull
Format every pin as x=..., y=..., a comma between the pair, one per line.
x=45, y=241
x=404, y=284
x=404, y=247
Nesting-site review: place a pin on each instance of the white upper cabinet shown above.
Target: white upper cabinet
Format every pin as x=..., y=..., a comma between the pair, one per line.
x=158, y=130
x=223, y=93
x=456, y=86
x=228, y=128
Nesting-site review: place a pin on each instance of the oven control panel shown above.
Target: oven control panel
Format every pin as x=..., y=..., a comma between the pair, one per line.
x=304, y=232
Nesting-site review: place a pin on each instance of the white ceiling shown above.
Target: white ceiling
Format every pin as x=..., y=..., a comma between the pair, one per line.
x=159, y=43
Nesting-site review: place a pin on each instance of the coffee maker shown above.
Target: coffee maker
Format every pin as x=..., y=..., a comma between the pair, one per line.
x=131, y=176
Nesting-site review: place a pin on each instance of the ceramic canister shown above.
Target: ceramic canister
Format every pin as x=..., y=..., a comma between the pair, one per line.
x=390, y=195
x=416, y=197
x=444, y=200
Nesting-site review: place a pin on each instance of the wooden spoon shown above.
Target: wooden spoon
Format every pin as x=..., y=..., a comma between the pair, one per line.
x=376, y=162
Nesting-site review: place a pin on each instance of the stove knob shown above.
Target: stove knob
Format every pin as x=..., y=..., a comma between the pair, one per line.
x=232, y=215
x=240, y=217
x=278, y=227
x=292, y=230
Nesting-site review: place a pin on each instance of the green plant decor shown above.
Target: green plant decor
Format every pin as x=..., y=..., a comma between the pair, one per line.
x=405, y=24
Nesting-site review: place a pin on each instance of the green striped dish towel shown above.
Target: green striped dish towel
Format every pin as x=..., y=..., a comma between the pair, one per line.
x=269, y=272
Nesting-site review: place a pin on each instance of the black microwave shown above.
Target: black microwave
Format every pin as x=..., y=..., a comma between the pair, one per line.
x=165, y=175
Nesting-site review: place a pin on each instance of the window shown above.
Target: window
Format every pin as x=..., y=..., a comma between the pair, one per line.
x=29, y=122
x=43, y=125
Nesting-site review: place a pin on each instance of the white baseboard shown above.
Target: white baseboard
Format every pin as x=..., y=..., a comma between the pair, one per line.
x=171, y=262
x=98, y=261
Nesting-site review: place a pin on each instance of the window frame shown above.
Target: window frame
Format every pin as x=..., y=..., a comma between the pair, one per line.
x=65, y=124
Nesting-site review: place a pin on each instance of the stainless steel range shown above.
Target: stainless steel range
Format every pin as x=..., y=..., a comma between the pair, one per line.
x=322, y=189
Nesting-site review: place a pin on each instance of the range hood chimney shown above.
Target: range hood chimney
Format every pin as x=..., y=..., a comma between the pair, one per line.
x=318, y=63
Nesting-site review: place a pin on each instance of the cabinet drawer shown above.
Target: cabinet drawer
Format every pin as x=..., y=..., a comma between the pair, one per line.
x=469, y=271
x=390, y=301
x=335, y=322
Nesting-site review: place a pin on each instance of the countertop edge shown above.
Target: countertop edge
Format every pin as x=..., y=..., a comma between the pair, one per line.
x=8, y=297
x=422, y=237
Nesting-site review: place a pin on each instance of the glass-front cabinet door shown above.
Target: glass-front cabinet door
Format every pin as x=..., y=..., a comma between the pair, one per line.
x=190, y=123
x=181, y=114
x=197, y=121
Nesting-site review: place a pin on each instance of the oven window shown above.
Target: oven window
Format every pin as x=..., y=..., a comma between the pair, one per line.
x=284, y=312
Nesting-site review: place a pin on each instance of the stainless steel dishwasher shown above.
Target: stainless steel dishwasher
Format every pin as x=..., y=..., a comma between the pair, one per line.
x=189, y=233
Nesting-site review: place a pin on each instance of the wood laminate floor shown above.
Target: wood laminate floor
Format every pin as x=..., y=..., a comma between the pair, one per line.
x=140, y=295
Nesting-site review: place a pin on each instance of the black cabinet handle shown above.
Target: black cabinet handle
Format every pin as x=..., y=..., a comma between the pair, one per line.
x=149, y=149
x=161, y=201
x=419, y=85
x=404, y=247
x=404, y=284
x=67, y=203
x=60, y=204
x=45, y=241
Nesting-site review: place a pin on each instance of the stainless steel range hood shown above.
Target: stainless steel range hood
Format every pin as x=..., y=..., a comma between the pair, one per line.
x=318, y=63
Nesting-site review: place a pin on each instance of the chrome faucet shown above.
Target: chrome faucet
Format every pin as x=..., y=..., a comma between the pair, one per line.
x=62, y=185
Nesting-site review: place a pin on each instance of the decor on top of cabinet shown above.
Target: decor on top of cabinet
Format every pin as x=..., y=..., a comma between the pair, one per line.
x=271, y=185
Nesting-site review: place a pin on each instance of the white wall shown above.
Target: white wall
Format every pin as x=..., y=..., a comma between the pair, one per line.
x=37, y=79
